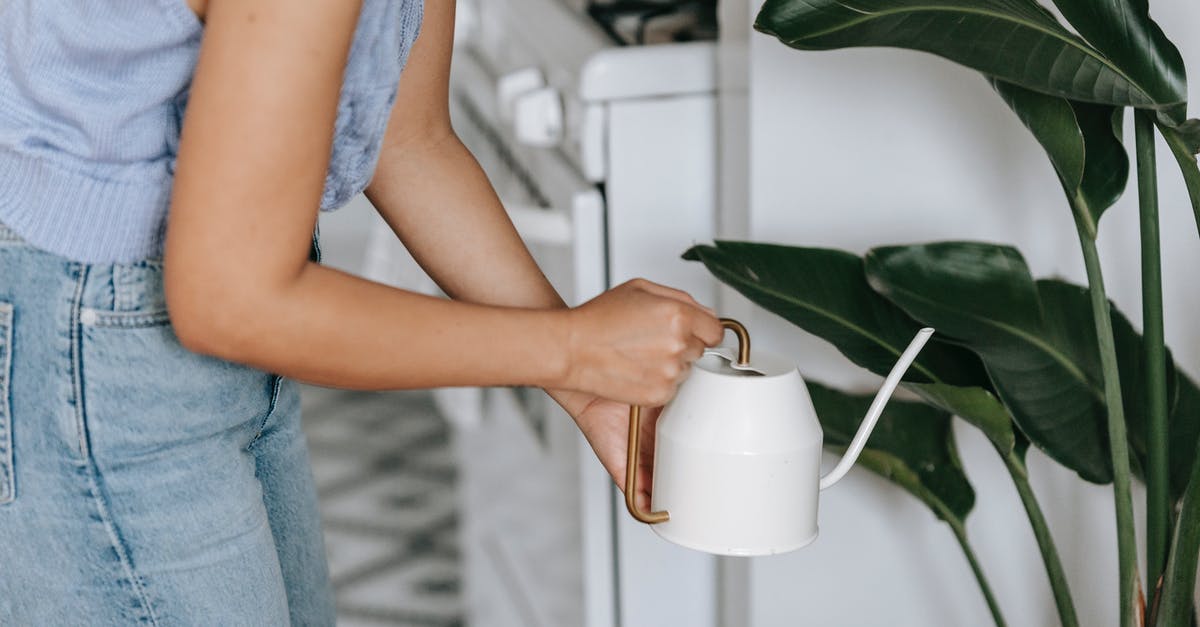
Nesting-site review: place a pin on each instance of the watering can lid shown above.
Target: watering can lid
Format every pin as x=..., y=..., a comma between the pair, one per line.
x=763, y=364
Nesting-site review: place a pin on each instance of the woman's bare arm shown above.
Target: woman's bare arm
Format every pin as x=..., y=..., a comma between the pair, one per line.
x=432, y=192
x=255, y=146
x=436, y=198
x=439, y=202
x=428, y=186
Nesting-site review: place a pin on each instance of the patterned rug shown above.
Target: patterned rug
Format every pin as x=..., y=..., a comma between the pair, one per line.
x=386, y=478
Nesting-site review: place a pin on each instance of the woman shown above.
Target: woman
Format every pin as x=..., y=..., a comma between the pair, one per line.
x=151, y=471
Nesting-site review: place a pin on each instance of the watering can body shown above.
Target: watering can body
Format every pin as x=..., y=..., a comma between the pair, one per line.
x=737, y=454
x=737, y=461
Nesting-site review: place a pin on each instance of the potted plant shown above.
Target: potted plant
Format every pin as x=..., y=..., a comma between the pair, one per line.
x=1026, y=361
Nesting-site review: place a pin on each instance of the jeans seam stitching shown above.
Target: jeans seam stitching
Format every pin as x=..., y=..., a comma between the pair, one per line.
x=81, y=273
x=118, y=544
x=262, y=426
x=94, y=477
x=9, y=493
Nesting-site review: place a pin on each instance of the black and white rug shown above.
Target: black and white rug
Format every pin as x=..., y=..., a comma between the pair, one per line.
x=386, y=478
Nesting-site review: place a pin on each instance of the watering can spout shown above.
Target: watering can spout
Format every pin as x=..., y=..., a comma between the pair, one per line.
x=876, y=409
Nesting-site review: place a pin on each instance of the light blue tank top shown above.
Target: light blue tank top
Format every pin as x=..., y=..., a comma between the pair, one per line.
x=92, y=95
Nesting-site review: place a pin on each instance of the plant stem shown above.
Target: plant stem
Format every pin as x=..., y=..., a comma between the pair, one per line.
x=960, y=534
x=1179, y=582
x=1158, y=499
x=1041, y=531
x=1118, y=443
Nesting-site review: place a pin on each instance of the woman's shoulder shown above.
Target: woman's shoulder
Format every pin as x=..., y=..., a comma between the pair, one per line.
x=95, y=24
x=118, y=45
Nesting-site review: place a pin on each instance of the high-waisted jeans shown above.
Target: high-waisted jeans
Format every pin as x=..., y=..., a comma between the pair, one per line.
x=141, y=483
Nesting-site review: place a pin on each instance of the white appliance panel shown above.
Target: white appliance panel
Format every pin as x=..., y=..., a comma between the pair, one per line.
x=662, y=159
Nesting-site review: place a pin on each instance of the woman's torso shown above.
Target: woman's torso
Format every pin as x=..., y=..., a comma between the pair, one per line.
x=92, y=96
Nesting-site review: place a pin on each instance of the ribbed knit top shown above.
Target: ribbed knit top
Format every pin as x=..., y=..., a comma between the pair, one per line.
x=92, y=96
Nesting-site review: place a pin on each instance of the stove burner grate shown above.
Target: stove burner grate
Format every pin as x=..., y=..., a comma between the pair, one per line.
x=641, y=22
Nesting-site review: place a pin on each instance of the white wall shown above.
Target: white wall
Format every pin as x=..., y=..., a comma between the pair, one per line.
x=859, y=148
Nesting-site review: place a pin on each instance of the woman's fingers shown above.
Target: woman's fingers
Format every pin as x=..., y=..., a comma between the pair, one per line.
x=709, y=330
x=670, y=292
x=695, y=350
x=637, y=341
x=704, y=323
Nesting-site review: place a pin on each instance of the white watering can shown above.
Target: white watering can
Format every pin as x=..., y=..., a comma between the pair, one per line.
x=737, y=455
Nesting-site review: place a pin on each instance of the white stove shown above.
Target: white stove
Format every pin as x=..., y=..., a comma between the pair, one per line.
x=597, y=124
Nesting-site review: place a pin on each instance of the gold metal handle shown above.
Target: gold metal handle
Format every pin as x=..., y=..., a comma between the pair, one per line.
x=631, y=472
x=635, y=430
x=743, y=336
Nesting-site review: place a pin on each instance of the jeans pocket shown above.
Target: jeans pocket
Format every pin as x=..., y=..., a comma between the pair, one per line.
x=276, y=384
x=146, y=395
x=8, y=484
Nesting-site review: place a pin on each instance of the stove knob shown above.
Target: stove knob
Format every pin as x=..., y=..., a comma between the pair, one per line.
x=538, y=118
x=512, y=85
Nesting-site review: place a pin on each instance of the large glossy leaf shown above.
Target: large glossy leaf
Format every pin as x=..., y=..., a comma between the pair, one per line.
x=1083, y=141
x=1184, y=432
x=912, y=445
x=975, y=404
x=825, y=292
x=1179, y=582
x=1067, y=309
x=983, y=295
x=1123, y=31
x=1017, y=41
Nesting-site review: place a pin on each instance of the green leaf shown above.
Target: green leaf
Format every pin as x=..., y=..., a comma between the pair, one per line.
x=1189, y=133
x=912, y=445
x=1123, y=31
x=976, y=405
x=983, y=296
x=1039, y=346
x=1179, y=582
x=1017, y=41
x=1067, y=308
x=825, y=292
x=1185, y=143
x=1083, y=142
x=1184, y=432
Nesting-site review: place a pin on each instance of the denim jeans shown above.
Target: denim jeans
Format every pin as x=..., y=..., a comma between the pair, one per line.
x=141, y=483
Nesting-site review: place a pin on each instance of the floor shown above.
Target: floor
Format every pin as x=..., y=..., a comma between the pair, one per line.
x=386, y=478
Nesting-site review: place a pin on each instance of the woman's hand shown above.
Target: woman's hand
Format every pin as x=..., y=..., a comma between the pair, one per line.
x=636, y=342
x=605, y=424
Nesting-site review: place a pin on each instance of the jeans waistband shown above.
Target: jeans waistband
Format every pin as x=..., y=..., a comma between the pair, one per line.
x=106, y=287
